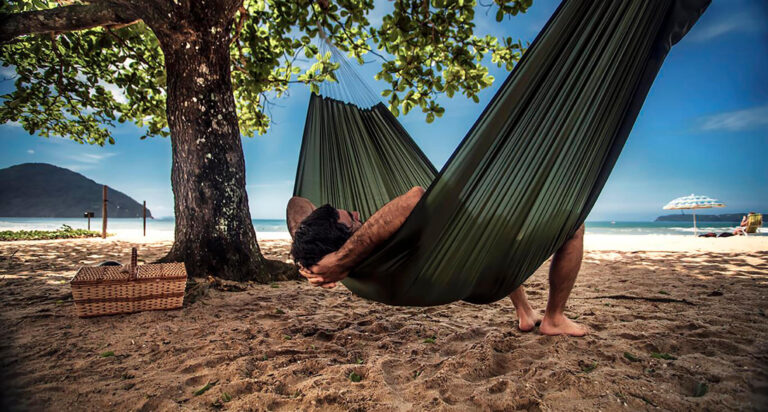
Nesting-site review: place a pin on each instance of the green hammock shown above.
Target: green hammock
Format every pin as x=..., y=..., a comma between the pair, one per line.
x=525, y=176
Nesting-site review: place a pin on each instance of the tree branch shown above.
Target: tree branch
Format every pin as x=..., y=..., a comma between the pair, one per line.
x=61, y=19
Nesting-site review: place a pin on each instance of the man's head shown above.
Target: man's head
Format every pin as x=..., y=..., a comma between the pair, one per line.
x=319, y=231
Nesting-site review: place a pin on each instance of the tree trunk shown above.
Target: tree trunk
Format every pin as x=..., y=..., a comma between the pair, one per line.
x=214, y=233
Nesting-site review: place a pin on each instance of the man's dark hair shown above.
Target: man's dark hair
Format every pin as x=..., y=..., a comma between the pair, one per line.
x=318, y=235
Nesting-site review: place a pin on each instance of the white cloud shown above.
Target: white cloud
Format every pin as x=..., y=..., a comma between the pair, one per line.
x=7, y=72
x=380, y=9
x=92, y=157
x=745, y=119
x=117, y=92
x=77, y=167
x=86, y=161
x=12, y=124
x=741, y=22
x=30, y=151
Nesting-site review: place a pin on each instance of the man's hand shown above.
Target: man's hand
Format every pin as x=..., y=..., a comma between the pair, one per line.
x=314, y=279
x=326, y=273
x=328, y=270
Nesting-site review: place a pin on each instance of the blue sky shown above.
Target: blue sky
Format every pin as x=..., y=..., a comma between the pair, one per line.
x=703, y=128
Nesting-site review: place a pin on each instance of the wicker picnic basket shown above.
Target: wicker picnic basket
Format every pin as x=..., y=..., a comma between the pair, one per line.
x=109, y=290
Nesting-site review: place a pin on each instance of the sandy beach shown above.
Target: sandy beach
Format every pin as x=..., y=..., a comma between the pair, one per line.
x=289, y=346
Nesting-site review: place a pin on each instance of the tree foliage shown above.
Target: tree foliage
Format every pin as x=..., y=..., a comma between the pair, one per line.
x=78, y=83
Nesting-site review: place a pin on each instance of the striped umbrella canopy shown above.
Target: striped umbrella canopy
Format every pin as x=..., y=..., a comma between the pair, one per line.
x=693, y=202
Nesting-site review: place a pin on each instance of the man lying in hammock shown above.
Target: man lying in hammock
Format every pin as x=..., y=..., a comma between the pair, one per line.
x=328, y=243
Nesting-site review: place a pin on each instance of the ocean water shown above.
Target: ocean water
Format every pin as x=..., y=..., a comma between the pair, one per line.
x=164, y=226
x=659, y=228
x=127, y=226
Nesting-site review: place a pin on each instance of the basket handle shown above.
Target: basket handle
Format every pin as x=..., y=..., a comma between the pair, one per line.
x=134, y=263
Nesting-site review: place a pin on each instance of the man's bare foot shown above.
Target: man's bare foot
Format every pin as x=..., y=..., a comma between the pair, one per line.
x=527, y=320
x=560, y=325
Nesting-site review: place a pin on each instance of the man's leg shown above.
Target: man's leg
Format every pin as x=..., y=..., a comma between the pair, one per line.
x=527, y=318
x=562, y=275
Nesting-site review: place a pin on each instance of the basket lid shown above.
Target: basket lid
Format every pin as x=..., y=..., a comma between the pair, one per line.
x=90, y=274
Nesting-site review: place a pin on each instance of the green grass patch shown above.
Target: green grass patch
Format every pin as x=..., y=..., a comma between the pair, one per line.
x=587, y=368
x=65, y=232
x=274, y=285
x=663, y=292
x=355, y=377
x=700, y=390
x=664, y=356
x=430, y=340
x=107, y=354
x=225, y=397
x=631, y=357
x=359, y=361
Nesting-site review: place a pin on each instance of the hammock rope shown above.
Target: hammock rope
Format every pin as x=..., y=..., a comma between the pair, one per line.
x=524, y=177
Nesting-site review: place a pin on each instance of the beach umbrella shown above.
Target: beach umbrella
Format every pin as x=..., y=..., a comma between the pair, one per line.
x=693, y=202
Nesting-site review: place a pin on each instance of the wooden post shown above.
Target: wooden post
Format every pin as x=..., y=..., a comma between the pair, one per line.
x=104, y=213
x=695, y=233
x=145, y=218
x=89, y=221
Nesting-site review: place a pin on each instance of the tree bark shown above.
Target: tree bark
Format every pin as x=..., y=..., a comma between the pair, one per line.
x=214, y=233
x=62, y=19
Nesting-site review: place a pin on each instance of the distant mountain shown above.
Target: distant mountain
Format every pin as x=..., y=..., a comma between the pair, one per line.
x=727, y=217
x=45, y=190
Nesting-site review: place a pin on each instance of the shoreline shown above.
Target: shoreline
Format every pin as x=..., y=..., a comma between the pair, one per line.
x=592, y=242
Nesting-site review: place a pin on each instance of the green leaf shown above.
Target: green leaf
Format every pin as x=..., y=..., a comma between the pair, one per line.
x=205, y=388
x=664, y=356
x=107, y=354
x=355, y=377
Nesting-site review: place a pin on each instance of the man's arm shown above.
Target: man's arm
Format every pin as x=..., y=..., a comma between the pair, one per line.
x=380, y=227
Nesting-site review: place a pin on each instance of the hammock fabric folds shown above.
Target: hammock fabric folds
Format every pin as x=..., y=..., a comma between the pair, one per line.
x=360, y=160
x=525, y=176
